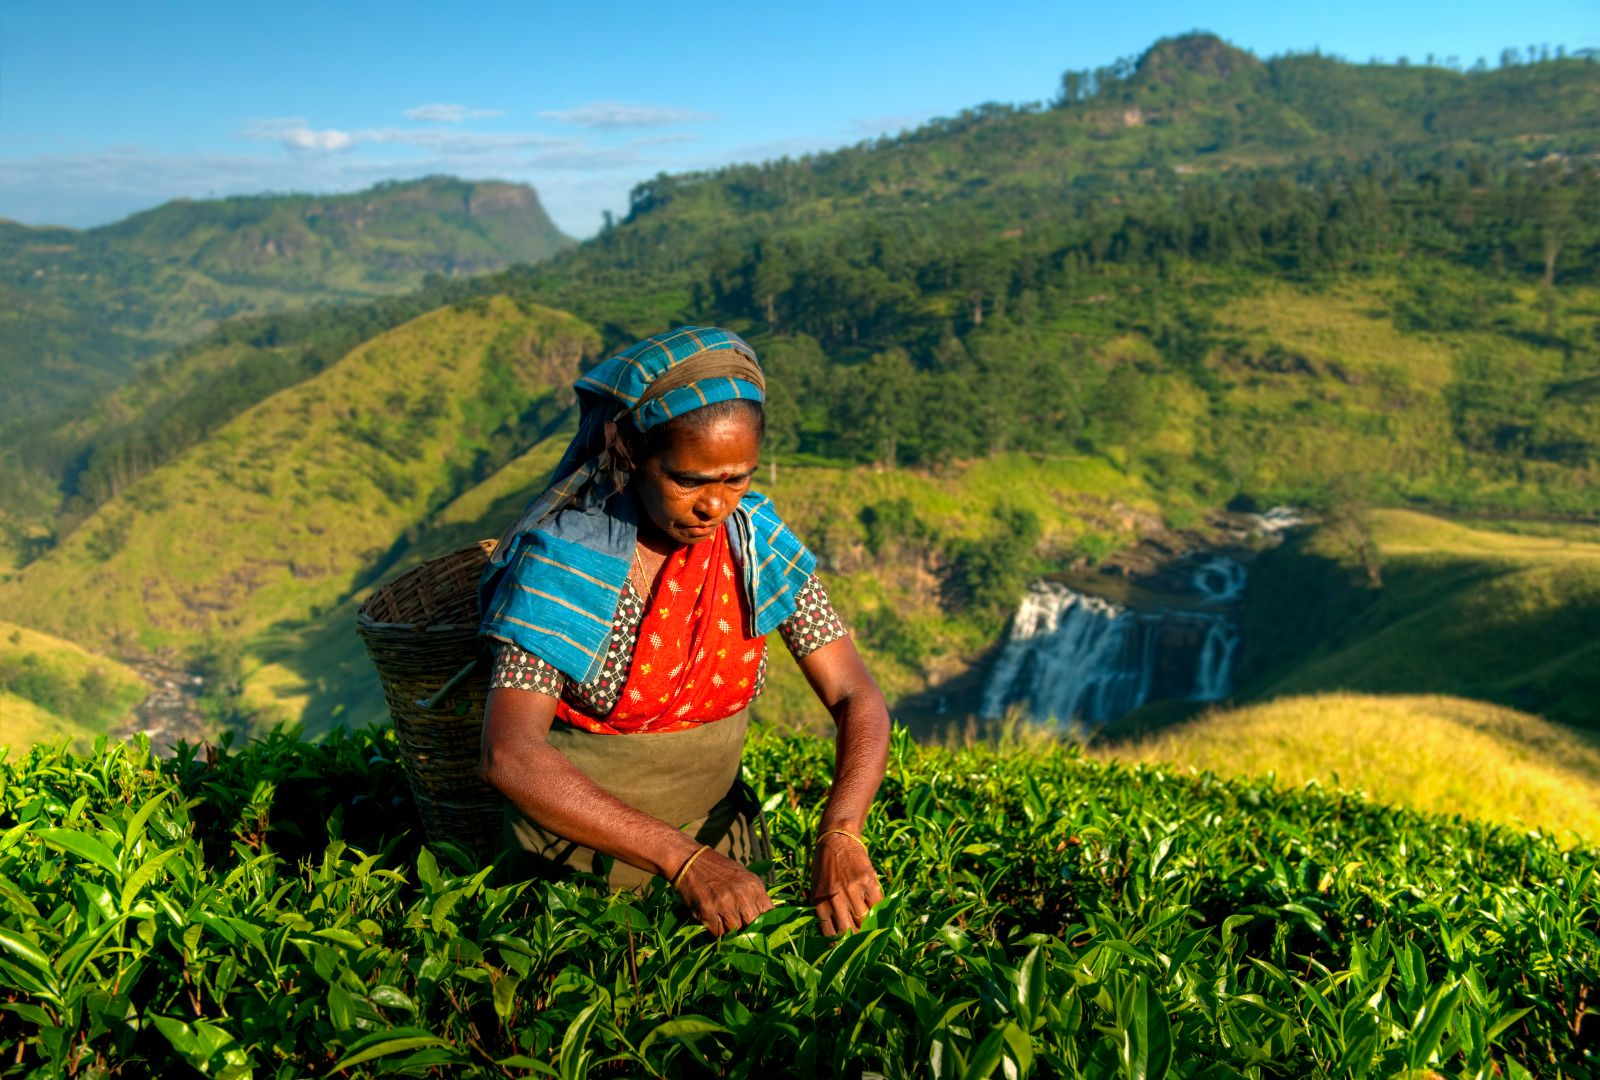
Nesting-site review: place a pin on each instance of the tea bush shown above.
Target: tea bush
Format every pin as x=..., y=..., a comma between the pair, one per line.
x=269, y=911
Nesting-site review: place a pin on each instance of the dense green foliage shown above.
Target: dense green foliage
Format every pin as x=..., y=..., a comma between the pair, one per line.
x=266, y=912
x=1062, y=279
x=79, y=309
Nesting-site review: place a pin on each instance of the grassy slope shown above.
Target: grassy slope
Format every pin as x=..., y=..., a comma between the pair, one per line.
x=24, y=724
x=1492, y=615
x=278, y=514
x=71, y=692
x=1433, y=754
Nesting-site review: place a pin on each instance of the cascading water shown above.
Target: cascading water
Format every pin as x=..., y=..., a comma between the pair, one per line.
x=1214, y=674
x=1219, y=579
x=1074, y=656
x=1070, y=655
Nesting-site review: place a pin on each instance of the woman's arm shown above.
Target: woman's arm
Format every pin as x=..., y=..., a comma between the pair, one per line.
x=844, y=884
x=521, y=764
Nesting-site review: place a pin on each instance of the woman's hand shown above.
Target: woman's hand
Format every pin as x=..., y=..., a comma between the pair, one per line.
x=844, y=884
x=723, y=895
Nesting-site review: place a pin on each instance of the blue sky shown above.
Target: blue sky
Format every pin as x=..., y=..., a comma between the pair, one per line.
x=107, y=108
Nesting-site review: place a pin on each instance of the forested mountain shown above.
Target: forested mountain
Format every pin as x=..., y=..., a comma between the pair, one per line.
x=1024, y=334
x=80, y=308
x=1062, y=277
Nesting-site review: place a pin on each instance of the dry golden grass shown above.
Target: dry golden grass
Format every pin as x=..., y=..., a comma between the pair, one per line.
x=1436, y=754
x=1405, y=532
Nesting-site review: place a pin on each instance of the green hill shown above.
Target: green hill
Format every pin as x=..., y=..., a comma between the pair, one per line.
x=273, y=516
x=80, y=309
x=1398, y=602
x=51, y=689
x=1438, y=755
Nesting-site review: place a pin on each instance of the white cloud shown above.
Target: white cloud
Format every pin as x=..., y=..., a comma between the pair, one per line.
x=297, y=135
x=449, y=114
x=325, y=140
x=620, y=114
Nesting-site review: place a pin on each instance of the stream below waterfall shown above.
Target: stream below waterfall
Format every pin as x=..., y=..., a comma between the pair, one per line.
x=1090, y=649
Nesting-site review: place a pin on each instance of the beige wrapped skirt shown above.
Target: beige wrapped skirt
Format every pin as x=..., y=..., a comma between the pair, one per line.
x=686, y=778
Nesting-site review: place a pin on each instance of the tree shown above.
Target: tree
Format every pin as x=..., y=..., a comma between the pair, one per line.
x=884, y=413
x=987, y=576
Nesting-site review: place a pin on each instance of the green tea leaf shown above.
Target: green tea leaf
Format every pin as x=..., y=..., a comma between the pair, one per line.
x=684, y=1027
x=382, y=1044
x=82, y=845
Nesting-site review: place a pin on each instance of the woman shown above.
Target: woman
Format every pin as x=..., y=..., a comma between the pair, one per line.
x=629, y=605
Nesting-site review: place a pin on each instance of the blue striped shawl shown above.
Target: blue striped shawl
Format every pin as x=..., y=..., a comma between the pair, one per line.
x=555, y=590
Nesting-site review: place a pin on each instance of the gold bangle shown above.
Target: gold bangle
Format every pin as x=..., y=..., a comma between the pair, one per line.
x=844, y=832
x=684, y=869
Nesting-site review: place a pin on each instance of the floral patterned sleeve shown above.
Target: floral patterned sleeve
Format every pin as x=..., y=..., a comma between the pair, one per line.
x=519, y=670
x=814, y=622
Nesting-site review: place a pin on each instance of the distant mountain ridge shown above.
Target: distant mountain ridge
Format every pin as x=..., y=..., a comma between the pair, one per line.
x=80, y=308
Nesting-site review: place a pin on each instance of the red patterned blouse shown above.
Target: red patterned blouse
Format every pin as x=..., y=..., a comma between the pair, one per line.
x=680, y=661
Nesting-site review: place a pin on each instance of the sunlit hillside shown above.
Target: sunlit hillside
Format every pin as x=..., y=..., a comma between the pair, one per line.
x=1443, y=755
x=1399, y=602
x=52, y=689
x=274, y=516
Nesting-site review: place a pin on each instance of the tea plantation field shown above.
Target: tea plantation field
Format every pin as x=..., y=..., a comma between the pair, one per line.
x=269, y=911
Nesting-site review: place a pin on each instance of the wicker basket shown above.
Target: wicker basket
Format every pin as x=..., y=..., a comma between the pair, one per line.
x=421, y=631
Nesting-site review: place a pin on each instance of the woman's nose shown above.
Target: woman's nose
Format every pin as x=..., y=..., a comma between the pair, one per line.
x=710, y=505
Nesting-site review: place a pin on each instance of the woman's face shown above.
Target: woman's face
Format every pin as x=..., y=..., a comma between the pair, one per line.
x=690, y=487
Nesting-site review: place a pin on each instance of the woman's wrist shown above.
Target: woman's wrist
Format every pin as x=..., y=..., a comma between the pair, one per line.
x=670, y=862
x=843, y=836
x=687, y=863
x=838, y=819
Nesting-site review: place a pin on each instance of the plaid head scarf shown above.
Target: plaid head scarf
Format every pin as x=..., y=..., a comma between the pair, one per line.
x=556, y=575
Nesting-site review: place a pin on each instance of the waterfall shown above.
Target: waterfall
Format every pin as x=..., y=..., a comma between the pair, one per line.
x=1214, y=673
x=1070, y=655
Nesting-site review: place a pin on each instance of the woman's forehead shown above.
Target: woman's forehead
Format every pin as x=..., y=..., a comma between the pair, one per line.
x=727, y=444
